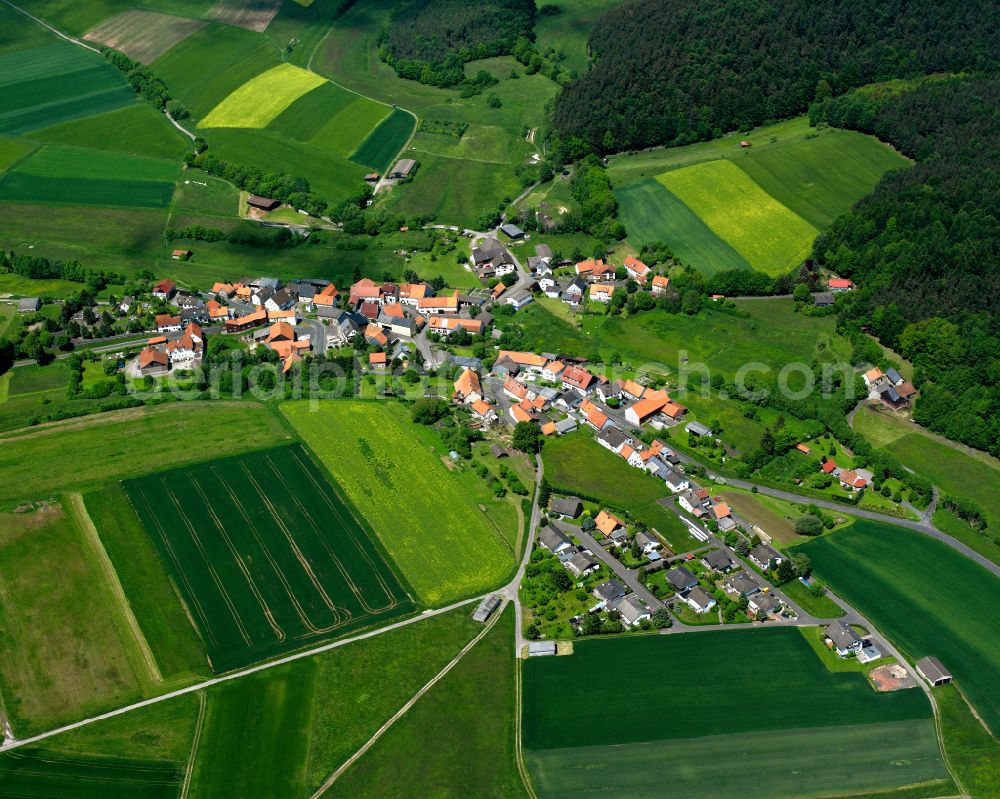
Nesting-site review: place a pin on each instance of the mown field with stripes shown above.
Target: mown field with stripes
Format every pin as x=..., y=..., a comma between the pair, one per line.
x=265, y=553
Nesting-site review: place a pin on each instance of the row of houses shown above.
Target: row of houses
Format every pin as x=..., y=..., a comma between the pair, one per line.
x=889, y=388
x=172, y=349
x=850, y=479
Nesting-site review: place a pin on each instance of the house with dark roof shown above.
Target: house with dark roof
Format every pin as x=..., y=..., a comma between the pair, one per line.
x=741, y=584
x=553, y=540
x=681, y=579
x=843, y=638
x=762, y=605
x=631, y=609
x=567, y=507
x=719, y=560
x=765, y=556
x=699, y=600
x=581, y=564
x=610, y=590
x=28, y=304
x=932, y=670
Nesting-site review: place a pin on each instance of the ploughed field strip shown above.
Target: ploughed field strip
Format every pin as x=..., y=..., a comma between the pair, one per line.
x=143, y=35
x=266, y=555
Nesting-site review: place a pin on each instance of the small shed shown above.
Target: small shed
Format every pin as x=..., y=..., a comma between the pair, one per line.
x=932, y=670
x=262, y=203
x=512, y=231
x=486, y=608
x=498, y=451
x=541, y=648
x=28, y=305
x=181, y=255
x=402, y=169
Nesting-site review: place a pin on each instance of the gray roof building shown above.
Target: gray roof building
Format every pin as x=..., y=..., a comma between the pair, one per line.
x=541, y=648
x=567, y=506
x=612, y=437
x=631, y=608
x=486, y=608
x=843, y=637
x=764, y=555
x=581, y=563
x=742, y=584
x=403, y=167
x=764, y=604
x=567, y=425
x=681, y=579
x=718, y=560
x=932, y=670
x=700, y=599
x=610, y=590
x=823, y=299
x=697, y=428
x=553, y=540
x=512, y=230
x=28, y=304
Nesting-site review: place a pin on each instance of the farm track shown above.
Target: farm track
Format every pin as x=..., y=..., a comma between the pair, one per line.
x=57, y=32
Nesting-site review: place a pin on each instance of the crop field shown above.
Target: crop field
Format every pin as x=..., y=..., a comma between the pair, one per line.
x=425, y=516
x=58, y=457
x=311, y=113
x=922, y=594
x=329, y=174
x=265, y=554
x=65, y=651
x=36, y=772
x=784, y=727
x=653, y=213
x=136, y=129
x=59, y=174
x=174, y=644
x=11, y=151
x=263, y=98
x=56, y=83
x=254, y=15
x=212, y=63
x=575, y=462
x=350, y=126
x=18, y=33
x=470, y=717
x=768, y=235
x=381, y=145
x=821, y=178
x=143, y=35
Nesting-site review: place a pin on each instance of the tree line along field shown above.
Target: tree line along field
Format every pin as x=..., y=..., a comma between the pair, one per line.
x=791, y=182
x=425, y=516
x=819, y=734
x=265, y=554
x=922, y=594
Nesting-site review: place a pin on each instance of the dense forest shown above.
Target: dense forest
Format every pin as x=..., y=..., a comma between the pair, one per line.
x=672, y=72
x=431, y=40
x=925, y=245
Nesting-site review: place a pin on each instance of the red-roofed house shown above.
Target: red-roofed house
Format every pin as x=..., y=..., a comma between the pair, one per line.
x=165, y=289
x=636, y=269
x=660, y=285
x=840, y=284
x=378, y=360
x=592, y=270
x=468, y=388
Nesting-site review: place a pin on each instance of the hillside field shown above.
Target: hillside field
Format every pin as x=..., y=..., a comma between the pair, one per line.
x=381, y=145
x=55, y=83
x=136, y=129
x=766, y=233
x=426, y=517
x=74, y=176
x=262, y=98
x=143, y=35
x=919, y=592
x=630, y=742
x=265, y=554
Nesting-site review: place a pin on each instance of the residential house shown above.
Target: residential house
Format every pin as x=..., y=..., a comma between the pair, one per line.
x=762, y=605
x=610, y=389
x=243, y=323
x=518, y=299
x=165, y=289
x=468, y=389
x=691, y=501
x=573, y=293
x=609, y=591
x=699, y=600
x=852, y=480
x=595, y=269
x=741, y=584
x=566, y=507
x=873, y=376
x=674, y=480
x=613, y=438
x=601, y=292
x=448, y=304
x=844, y=639
x=552, y=370
x=168, y=323
x=824, y=299
x=660, y=285
x=681, y=579
x=483, y=411
x=153, y=362
x=636, y=269
x=578, y=379
x=378, y=360
x=840, y=284
x=719, y=560
x=581, y=564
x=765, y=556
x=609, y=525
x=446, y=325
x=631, y=609
x=487, y=251
x=553, y=540
x=186, y=348
x=647, y=543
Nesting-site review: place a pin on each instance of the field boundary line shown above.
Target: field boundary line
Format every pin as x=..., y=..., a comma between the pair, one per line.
x=518, y=748
x=189, y=771
x=236, y=675
x=329, y=781
x=57, y=32
x=79, y=509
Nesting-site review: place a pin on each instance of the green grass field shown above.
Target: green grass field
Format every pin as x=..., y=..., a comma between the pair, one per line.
x=76, y=18
x=469, y=716
x=58, y=457
x=972, y=752
x=310, y=113
x=174, y=643
x=135, y=129
x=212, y=63
x=426, y=517
x=384, y=142
x=262, y=98
x=921, y=593
x=651, y=212
x=71, y=175
x=766, y=233
x=56, y=83
x=567, y=31
x=956, y=471
x=33, y=378
x=18, y=33
x=346, y=129
x=265, y=554
x=205, y=195
x=575, y=462
x=65, y=650
x=30, y=773
x=630, y=742
x=143, y=35
x=11, y=151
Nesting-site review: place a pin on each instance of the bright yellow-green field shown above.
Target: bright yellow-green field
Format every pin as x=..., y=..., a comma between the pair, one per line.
x=258, y=101
x=766, y=233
